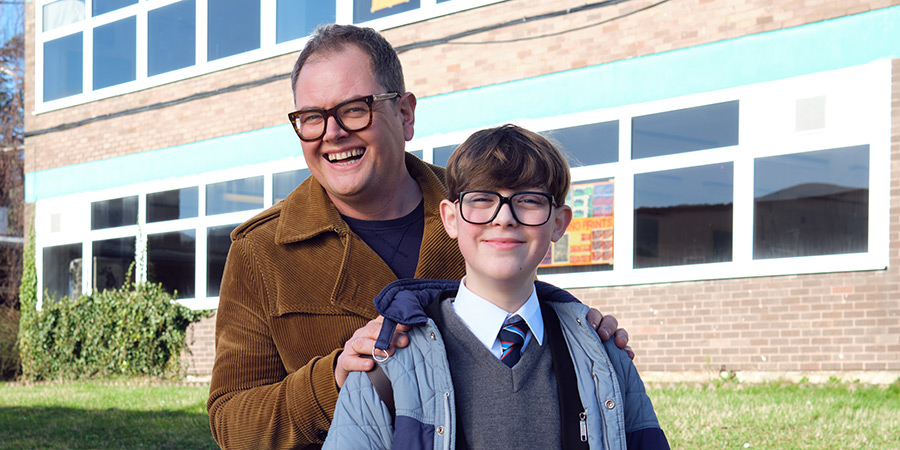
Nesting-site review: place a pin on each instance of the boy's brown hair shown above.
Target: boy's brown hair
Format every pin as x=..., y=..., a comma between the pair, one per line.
x=508, y=157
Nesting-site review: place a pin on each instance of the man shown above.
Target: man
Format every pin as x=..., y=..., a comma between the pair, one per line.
x=295, y=310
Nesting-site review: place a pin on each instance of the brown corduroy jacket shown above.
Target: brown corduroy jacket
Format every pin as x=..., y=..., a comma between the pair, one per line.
x=297, y=284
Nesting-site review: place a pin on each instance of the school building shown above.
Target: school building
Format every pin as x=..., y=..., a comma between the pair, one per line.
x=736, y=163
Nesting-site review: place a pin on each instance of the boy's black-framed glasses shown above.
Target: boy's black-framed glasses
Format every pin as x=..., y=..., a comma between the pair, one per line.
x=351, y=115
x=529, y=208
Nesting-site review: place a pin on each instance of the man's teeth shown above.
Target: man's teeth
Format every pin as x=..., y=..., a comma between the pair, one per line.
x=333, y=157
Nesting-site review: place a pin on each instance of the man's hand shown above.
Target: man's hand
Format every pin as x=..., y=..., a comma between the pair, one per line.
x=357, y=353
x=606, y=326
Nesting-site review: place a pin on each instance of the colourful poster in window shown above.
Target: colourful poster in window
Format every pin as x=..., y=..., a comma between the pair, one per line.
x=589, y=238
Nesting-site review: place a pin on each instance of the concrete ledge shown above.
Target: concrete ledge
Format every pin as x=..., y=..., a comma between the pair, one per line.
x=883, y=378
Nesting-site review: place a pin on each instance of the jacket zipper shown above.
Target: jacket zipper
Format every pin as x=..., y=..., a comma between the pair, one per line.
x=447, y=429
x=582, y=423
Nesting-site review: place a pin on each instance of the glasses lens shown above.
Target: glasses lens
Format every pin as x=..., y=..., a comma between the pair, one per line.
x=479, y=207
x=355, y=115
x=310, y=124
x=531, y=208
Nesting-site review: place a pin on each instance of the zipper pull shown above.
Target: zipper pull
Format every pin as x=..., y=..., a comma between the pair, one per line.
x=582, y=422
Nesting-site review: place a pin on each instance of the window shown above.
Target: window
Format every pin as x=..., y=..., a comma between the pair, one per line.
x=105, y=6
x=233, y=27
x=62, y=271
x=366, y=10
x=171, y=258
x=218, y=241
x=62, y=67
x=172, y=205
x=685, y=130
x=285, y=182
x=813, y=203
x=114, y=213
x=113, y=259
x=683, y=216
x=236, y=195
x=114, y=53
x=295, y=19
x=585, y=145
x=587, y=244
x=170, y=40
x=442, y=154
x=61, y=13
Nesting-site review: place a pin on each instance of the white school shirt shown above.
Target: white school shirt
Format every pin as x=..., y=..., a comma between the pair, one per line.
x=485, y=319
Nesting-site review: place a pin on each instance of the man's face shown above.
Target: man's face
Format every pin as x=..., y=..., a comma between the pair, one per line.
x=503, y=251
x=362, y=165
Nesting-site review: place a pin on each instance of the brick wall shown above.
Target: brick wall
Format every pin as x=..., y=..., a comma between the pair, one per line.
x=811, y=323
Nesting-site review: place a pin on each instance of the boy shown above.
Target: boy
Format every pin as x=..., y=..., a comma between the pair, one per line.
x=497, y=360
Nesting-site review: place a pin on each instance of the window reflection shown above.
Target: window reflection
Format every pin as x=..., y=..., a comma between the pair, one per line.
x=61, y=272
x=114, y=53
x=683, y=216
x=61, y=13
x=685, y=130
x=285, y=182
x=814, y=203
x=171, y=36
x=117, y=212
x=218, y=241
x=113, y=259
x=235, y=195
x=63, y=67
x=105, y=6
x=295, y=19
x=233, y=27
x=366, y=10
x=172, y=205
x=585, y=145
x=171, y=261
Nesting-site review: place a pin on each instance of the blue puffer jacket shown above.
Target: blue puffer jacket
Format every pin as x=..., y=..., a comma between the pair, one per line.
x=610, y=388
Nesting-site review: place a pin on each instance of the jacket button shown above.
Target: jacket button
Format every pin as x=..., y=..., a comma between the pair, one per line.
x=610, y=404
x=433, y=336
x=440, y=431
x=322, y=434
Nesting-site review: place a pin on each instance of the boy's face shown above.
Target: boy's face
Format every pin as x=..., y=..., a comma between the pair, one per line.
x=503, y=251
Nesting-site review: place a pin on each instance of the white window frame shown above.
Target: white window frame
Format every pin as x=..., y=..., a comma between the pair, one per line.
x=268, y=47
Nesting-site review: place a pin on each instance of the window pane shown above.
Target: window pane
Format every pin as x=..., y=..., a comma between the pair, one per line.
x=441, y=155
x=62, y=12
x=105, y=6
x=814, y=203
x=683, y=216
x=114, y=213
x=285, y=182
x=171, y=258
x=113, y=258
x=63, y=67
x=114, y=53
x=585, y=145
x=172, y=205
x=235, y=195
x=218, y=240
x=233, y=27
x=685, y=130
x=587, y=244
x=418, y=153
x=171, y=37
x=298, y=18
x=62, y=272
x=365, y=10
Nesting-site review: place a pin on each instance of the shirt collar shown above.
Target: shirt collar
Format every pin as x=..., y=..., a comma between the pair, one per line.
x=485, y=319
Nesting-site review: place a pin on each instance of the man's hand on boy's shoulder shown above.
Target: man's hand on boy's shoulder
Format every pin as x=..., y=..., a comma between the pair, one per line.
x=607, y=326
x=357, y=353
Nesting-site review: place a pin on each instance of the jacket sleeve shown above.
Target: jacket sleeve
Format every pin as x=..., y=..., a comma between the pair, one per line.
x=253, y=401
x=361, y=420
x=642, y=429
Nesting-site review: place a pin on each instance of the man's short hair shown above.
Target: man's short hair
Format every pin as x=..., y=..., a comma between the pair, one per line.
x=334, y=38
x=508, y=157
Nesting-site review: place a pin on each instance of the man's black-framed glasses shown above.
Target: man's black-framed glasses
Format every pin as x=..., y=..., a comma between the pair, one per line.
x=351, y=115
x=529, y=208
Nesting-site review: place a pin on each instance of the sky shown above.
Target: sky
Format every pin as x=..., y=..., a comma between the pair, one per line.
x=9, y=15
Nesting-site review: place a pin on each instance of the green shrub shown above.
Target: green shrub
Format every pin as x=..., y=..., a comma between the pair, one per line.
x=9, y=352
x=137, y=330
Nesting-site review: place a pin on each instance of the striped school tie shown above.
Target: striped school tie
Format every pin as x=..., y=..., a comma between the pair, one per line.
x=512, y=336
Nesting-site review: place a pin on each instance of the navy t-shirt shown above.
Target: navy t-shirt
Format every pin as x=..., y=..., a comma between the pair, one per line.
x=396, y=241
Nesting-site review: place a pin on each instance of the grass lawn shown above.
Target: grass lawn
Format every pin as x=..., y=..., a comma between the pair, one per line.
x=730, y=415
